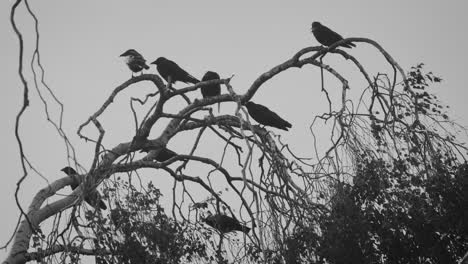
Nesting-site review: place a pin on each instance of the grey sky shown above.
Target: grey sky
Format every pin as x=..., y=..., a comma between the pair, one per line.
x=81, y=42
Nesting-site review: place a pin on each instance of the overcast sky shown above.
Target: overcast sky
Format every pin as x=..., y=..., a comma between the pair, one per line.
x=81, y=42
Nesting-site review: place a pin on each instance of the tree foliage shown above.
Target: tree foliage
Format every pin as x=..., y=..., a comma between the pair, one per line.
x=140, y=232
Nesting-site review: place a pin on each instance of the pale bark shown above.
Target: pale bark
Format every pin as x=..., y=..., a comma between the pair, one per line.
x=36, y=215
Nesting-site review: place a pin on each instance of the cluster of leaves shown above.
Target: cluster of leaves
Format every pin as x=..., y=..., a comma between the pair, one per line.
x=405, y=112
x=391, y=216
x=140, y=232
x=425, y=103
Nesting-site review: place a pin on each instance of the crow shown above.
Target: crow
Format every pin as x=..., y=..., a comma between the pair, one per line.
x=266, y=117
x=134, y=60
x=326, y=36
x=163, y=155
x=93, y=198
x=211, y=90
x=168, y=68
x=225, y=224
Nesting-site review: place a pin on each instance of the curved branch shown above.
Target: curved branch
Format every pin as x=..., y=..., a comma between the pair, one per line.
x=37, y=215
x=144, y=77
x=38, y=256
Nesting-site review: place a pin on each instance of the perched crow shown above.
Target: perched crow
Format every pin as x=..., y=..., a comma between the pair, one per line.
x=326, y=36
x=266, y=117
x=134, y=60
x=93, y=198
x=168, y=68
x=163, y=155
x=211, y=90
x=225, y=224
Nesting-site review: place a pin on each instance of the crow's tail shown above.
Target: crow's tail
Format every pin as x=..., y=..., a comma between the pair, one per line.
x=192, y=79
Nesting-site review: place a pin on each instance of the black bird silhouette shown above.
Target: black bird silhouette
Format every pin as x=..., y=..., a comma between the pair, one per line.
x=134, y=60
x=326, y=36
x=211, y=90
x=93, y=198
x=168, y=68
x=225, y=224
x=163, y=155
x=266, y=117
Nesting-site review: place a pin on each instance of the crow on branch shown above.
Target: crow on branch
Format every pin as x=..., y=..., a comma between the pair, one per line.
x=266, y=117
x=168, y=68
x=135, y=61
x=326, y=36
x=93, y=198
x=211, y=90
x=163, y=155
x=225, y=224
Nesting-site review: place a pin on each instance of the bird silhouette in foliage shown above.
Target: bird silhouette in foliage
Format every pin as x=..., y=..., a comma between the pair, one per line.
x=266, y=117
x=326, y=36
x=168, y=68
x=163, y=155
x=211, y=90
x=224, y=223
x=93, y=198
x=135, y=61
